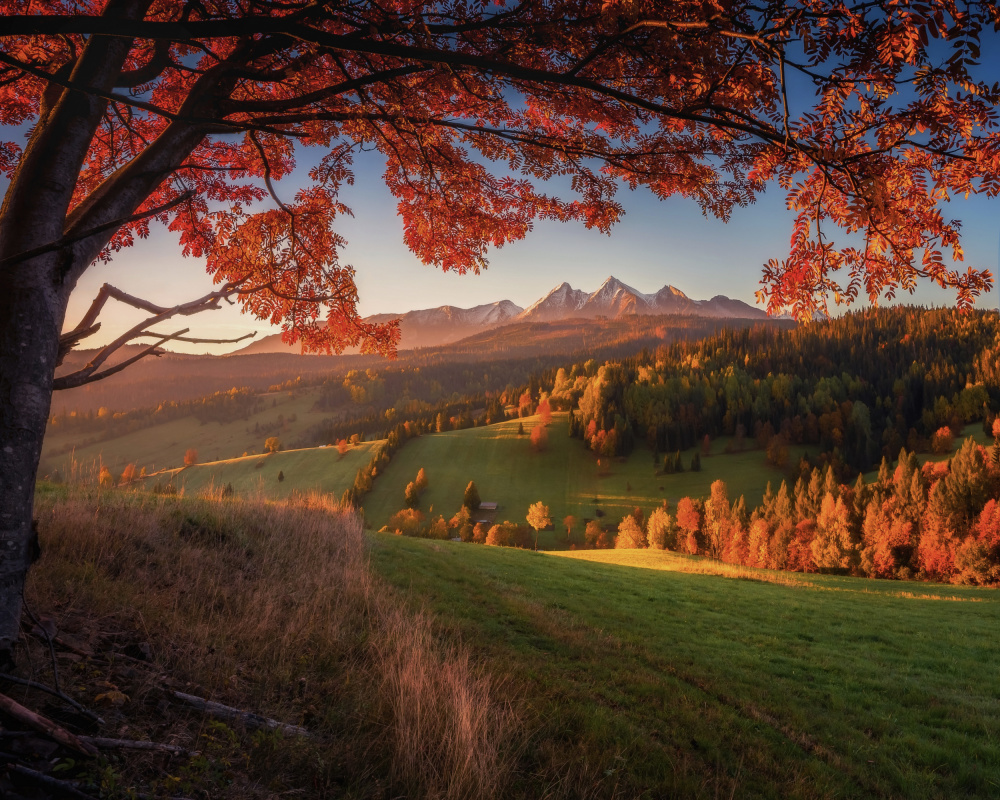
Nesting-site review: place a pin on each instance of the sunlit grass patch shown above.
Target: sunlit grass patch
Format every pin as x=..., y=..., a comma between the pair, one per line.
x=653, y=674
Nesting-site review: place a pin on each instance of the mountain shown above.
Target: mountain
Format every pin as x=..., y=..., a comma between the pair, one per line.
x=561, y=303
x=427, y=327
x=431, y=327
x=616, y=299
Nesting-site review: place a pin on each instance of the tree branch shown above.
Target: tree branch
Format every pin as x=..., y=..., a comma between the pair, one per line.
x=87, y=373
x=191, y=340
x=73, y=238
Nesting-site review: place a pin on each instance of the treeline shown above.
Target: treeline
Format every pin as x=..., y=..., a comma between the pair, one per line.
x=861, y=387
x=431, y=398
x=939, y=521
x=936, y=522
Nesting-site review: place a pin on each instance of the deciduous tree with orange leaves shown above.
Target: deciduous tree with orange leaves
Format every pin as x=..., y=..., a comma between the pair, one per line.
x=187, y=113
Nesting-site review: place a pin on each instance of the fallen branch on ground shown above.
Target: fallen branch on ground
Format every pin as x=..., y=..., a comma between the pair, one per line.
x=248, y=718
x=39, y=723
x=102, y=743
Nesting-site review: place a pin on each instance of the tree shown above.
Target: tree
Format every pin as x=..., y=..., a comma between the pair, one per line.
x=186, y=113
x=545, y=411
x=569, y=522
x=407, y=522
x=689, y=522
x=471, y=499
x=943, y=440
x=190, y=457
x=272, y=444
x=630, y=535
x=777, y=452
x=592, y=533
x=538, y=518
x=342, y=447
x=411, y=495
x=281, y=476
x=718, y=518
x=658, y=528
x=129, y=474
x=421, y=480
x=833, y=546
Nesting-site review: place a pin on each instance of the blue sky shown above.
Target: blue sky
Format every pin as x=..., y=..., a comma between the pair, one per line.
x=656, y=243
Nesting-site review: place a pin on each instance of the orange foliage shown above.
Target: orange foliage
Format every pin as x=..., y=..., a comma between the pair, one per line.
x=539, y=438
x=545, y=411
x=943, y=440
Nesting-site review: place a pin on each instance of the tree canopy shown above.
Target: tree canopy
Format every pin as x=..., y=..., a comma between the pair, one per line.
x=187, y=113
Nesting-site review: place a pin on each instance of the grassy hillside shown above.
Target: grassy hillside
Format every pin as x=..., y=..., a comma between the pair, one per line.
x=313, y=469
x=567, y=477
x=163, y=446
x=648, y=679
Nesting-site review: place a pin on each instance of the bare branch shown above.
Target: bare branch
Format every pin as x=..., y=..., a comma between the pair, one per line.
x=86, y=375
x=191, y=340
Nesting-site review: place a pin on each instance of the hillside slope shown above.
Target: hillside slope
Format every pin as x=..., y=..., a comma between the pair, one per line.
x=648, y=679
x=566, y=476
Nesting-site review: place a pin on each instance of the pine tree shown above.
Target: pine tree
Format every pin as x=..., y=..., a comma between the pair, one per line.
x=471, y=498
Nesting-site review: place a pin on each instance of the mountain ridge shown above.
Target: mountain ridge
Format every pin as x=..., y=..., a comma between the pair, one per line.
x=446, y=324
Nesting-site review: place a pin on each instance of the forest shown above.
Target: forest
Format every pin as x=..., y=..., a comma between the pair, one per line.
x=880, y=386
x=861, y=387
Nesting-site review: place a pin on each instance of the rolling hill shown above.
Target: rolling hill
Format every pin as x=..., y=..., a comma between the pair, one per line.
x=566, y=476
x=650, y=674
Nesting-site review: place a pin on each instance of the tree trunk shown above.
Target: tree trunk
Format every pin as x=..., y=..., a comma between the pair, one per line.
x=31, y=313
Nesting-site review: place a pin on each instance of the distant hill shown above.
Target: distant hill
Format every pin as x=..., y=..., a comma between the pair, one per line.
x=427, y=327
x=433, y=327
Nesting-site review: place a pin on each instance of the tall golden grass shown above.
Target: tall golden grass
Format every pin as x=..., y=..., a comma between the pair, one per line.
x=253, y=599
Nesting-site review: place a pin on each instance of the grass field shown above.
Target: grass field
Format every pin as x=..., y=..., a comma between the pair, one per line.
x=566, y=477
x=645, y=678
x=163, y=446
x=313, y=469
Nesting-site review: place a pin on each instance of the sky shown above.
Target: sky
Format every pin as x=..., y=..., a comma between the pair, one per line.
x=656, y=243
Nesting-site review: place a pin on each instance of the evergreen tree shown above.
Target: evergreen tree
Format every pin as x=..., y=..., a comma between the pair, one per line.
x=471, y=499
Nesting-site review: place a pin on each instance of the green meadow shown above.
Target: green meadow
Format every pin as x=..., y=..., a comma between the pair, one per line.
x=566, y=476
x=648, y=674
x=314, y=469
x=162, y=446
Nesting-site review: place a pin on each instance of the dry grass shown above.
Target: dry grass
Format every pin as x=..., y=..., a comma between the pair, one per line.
x=274, y=607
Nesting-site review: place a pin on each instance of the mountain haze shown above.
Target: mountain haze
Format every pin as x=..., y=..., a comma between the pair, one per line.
x=613, y=299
